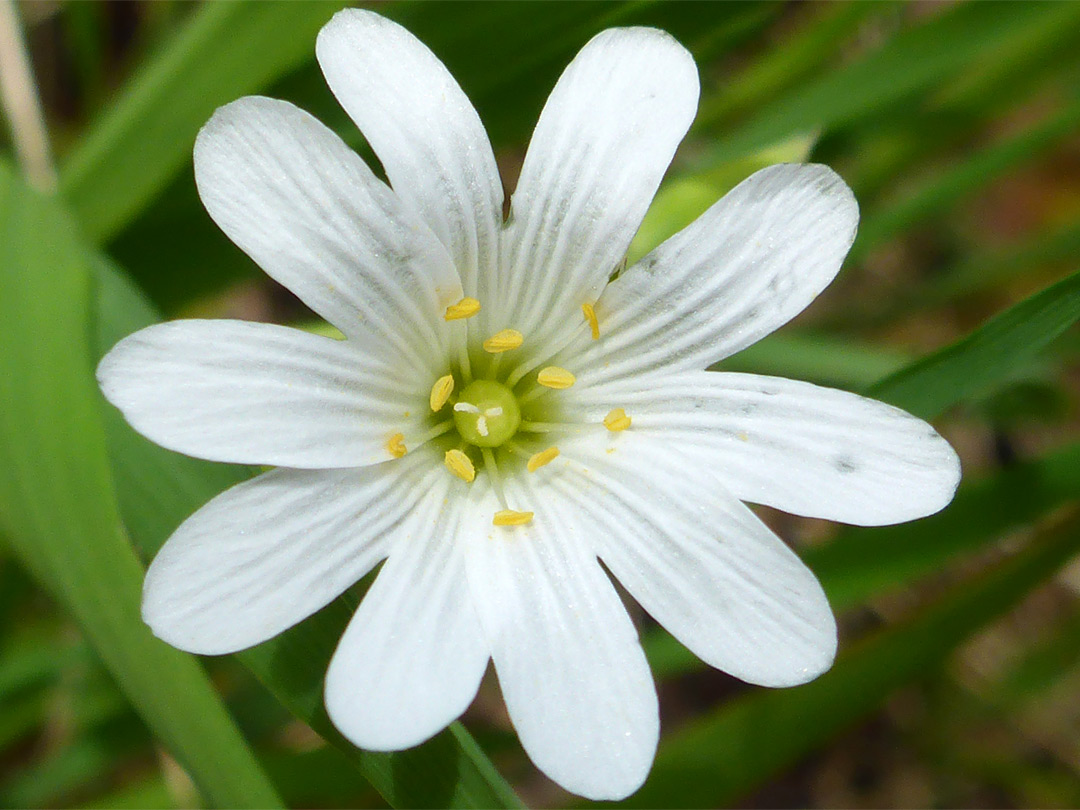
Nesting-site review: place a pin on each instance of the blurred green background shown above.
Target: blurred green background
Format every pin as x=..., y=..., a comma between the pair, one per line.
x=958, y=681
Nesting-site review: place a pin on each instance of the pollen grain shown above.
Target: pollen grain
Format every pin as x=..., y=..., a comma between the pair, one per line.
x=509, y=517
x=465, y=308
x=616, y=420
x=538, y=460
x=395, y=445
x=460, y=465
x=440, y=392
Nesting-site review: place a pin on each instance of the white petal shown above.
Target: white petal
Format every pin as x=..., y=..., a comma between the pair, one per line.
x=792, y=445
x=309, y=211
x=412, y=658
x=424, y=130
x=269, y=552
x=255, y=393
x=698, y=560
x=744, y=268
x=573, y=674
x=603, y=142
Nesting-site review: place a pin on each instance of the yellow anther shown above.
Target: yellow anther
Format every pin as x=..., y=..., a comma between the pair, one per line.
x=440, y=392
x=555, y=377
x=465, y=308
x=616, y=420
x=538, y=460
x=460, y=465
x=590, y=316
x=508, y=517
x=503, y=341
x=395, y=445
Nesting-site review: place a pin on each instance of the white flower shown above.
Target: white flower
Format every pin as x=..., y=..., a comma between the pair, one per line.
x=500, y=416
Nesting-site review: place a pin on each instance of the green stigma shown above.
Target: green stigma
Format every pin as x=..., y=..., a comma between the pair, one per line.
x=487, y=413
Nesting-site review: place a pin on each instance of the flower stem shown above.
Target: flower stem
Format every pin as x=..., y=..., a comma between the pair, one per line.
x=18, y=93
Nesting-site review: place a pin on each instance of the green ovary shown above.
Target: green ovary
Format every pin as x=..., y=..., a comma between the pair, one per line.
x=487, y=414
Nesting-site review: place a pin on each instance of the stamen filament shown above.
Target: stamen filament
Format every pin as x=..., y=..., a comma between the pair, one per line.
x=435, y=432
x=549, y=349
x=492, y=470
x=463, y=310
x=463, y=357
x=517, y=449
x=539, y=427
x=532, y=395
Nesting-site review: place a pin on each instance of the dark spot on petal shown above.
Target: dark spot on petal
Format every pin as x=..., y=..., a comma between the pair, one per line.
x=845, y=465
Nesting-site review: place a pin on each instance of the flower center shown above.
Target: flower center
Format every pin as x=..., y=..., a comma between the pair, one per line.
x=487, y=413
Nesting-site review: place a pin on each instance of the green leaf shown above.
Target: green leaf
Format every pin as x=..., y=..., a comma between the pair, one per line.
x=57, y=508
x=911, y=62
x=973, y=364
x=158, y=489
x=720, y=757
x=225, y=51
x=148, y=794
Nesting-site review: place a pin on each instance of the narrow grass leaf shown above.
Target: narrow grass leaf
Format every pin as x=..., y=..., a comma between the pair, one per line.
x=805, y=50
x=987, y=356
x=911, y=62
x=226, y=50
x=57, y=508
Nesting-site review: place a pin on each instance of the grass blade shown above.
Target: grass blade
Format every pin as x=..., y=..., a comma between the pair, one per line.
x=987, y=356
x=57, y=507
x=911, y=62
x=225, y=51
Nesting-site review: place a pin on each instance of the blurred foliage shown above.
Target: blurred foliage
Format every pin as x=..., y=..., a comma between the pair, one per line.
x=959, y=678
